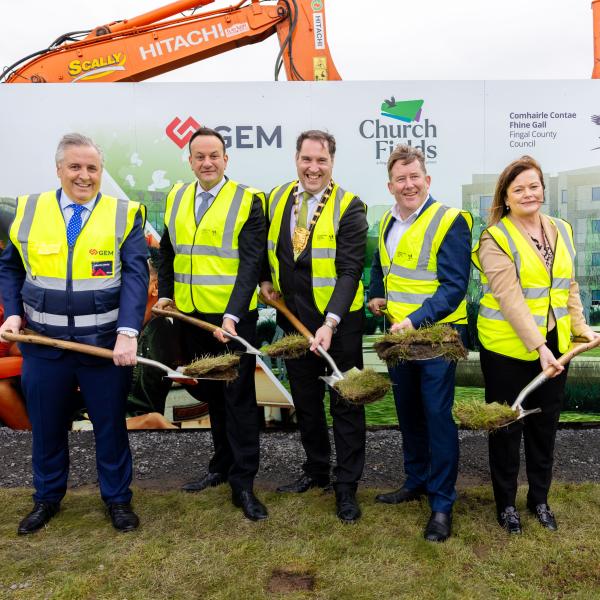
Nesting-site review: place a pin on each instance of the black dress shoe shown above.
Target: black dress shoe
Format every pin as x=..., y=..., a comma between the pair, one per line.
x=123, y=518
x=510, y=519
x=42, y=512
x=346, y=506
x=545, y=516
x=439, y=527
x=209, y=480
x=401, y=495
x=252, y=507
x=302, y=484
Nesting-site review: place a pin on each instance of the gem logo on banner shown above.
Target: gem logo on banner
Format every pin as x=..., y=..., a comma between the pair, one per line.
x=386, y=135
x=238, y=136
x=181, y=132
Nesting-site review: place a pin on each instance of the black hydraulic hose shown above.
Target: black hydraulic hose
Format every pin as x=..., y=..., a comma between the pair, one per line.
x=288, y=42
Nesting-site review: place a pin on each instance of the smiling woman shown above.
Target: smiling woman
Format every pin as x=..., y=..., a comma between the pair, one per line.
x=529, y=310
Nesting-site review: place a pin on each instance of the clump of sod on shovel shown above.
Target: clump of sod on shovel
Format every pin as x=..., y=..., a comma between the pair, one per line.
x=494, y=415
x=439, y=340
x=362, y=387
x=223, y=366
x=356, y=387
x=289, y=346
x=476, y=414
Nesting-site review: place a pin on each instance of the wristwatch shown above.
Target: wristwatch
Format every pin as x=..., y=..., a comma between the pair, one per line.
x=331, y=324
x=129, y=334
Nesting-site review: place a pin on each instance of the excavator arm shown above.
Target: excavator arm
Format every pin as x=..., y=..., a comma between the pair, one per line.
x=159, y=41
x=596, y=17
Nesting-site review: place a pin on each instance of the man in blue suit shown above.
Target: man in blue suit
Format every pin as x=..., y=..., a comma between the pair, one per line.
x=75, y=269
x=419, y=277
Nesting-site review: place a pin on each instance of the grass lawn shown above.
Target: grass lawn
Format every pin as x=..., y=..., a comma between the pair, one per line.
x=200, y=546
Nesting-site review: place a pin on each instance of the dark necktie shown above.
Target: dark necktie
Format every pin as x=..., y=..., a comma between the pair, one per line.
x=75, y=222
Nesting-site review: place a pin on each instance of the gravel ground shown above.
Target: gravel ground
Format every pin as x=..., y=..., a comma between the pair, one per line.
x=166, y=459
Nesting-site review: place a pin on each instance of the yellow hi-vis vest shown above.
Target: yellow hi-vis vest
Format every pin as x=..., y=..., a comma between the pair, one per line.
x=71, y=292
x=323, y=243
x=541, y=290
x=207, y=258
x=410, y=277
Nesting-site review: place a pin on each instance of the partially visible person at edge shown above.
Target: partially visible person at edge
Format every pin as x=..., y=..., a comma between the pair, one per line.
x=210, y=257
x=419, y=277
x=75, y=267
x=529, y=310
x=13, y=412
x=316, y=251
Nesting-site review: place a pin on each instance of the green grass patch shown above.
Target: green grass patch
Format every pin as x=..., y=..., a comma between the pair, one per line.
x=383, y=412
x=200, y=546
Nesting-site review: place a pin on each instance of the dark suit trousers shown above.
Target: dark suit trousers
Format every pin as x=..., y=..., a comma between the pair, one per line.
x=349, y=426
x=49, y=385
x=234, y=415
x=424, y=394
x=504, y=378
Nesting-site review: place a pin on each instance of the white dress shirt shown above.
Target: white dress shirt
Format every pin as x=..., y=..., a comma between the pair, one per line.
x=213, y=191
x=399, y=228
x=313, y=202
x=67, y=209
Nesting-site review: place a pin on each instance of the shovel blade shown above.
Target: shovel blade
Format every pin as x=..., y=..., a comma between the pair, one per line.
x=253, y=351
x=181, y=378
x=330, y=380
x=523, y=413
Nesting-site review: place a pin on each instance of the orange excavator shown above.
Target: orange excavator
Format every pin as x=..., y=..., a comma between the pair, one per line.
x=165, y=39
x=596, y=13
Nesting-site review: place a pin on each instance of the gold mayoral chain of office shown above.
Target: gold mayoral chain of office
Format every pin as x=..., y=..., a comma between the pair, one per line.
x=301, y=234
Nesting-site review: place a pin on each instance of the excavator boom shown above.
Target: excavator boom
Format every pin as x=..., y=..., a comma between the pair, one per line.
x=156, y=42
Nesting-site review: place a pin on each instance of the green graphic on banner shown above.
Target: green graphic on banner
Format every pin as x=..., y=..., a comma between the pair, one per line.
x=405, y=110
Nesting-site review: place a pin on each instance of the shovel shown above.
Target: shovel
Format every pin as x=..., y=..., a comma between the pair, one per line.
x=33, y=338
x=173, y=312
x=280, y=305
x=578, y=348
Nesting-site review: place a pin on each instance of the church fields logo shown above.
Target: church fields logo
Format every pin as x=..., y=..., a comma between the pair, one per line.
x=406, y=110
x=386, y=132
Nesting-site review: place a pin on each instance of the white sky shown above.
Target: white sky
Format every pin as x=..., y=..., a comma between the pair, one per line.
x=368, y=39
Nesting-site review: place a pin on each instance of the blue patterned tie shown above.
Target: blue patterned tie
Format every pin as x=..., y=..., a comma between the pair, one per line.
x=74, y=225
x=203, y=205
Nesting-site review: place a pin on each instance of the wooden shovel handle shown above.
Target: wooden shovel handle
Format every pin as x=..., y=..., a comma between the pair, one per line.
x=581, y=345
x=34, y=338
x=176, y=314
x=283, y=309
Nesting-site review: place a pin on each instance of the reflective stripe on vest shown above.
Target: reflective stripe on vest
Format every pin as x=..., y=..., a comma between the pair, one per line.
x=206, y=259
x=411, y=277
x=323, y=243
x=540, y=290
x=70, y=292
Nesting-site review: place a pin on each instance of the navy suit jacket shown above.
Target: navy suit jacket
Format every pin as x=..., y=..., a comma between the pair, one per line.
x=133, y=295
x=453, y=270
